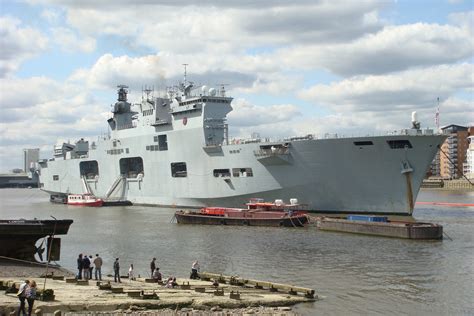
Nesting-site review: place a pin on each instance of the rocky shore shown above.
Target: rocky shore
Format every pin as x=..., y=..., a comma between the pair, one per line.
x=141, y=297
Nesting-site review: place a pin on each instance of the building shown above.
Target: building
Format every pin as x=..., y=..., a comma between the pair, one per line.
x=469, y=164
x=30, y=159
x=453, y=152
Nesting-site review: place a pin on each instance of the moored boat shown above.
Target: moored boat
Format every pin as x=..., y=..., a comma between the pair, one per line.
x=59, y=199
x=175, y=150
x=84, y=200
x=257, y=213
x=18, y=237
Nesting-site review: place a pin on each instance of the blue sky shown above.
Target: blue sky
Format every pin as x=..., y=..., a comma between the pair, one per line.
x=294, y=68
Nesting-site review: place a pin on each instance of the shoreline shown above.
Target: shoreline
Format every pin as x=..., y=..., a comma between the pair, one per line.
x=89, y=298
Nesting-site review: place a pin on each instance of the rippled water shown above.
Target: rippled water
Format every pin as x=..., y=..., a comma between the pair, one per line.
x=354, y=274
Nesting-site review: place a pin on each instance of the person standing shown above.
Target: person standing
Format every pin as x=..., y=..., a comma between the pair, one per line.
x=31, y=296
x=80, y=265
x=98, y=266
x=152, y=266
x=86, y=264
x=91, y=267
x=22, y=296
x=117, y=270
x=131, y=276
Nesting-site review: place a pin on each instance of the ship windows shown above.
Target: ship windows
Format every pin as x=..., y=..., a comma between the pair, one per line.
x=364, y=143
x=242, y=172
x=89, y=169
x=179, y=170
x=115, y=151
x=399, y=144
x=55, y=177
x=221, y=173
x=163, y=142
x=131, y=167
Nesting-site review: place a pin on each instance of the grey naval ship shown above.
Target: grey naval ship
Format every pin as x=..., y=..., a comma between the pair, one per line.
x=175, y=151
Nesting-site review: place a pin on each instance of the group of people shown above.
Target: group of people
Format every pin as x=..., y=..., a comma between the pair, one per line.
x=27, y=292
x=86, y=265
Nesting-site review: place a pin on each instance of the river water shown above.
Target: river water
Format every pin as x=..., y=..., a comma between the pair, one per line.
x=353, y=274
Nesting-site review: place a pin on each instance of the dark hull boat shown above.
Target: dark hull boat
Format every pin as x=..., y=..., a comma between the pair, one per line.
x=242, y=217
x=18, y=238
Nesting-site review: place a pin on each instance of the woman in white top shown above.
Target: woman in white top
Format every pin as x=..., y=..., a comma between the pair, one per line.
x=131, y=276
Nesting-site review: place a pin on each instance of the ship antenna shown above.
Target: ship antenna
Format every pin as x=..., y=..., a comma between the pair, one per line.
x=185, y=73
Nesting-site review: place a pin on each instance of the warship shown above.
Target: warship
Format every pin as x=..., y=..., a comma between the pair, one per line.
x=175, y=150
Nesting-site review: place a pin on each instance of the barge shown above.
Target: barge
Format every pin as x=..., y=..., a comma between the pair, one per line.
x=380, y=226
x=18, y=238
x=257, y=213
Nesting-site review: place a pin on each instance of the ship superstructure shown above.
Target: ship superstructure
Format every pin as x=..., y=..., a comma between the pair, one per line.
x=175, y=151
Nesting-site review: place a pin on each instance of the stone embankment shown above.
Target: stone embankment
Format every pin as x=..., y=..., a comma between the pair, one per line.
x=144, y=297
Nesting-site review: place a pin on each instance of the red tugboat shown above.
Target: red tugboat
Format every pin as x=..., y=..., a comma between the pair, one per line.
x=84, y=200
x=257, y=213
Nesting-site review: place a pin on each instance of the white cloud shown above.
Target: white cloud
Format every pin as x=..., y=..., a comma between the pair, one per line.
x=245, y=114
x=412, y=88
x=394, y=48
x=18, y=44
x=70, y=42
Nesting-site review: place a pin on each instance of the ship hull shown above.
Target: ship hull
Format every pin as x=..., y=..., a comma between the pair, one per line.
x=340, y=175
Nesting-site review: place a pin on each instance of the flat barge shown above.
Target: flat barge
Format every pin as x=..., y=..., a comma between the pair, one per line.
x=374, y=225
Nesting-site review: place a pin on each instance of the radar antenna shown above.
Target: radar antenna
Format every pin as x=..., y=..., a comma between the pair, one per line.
x=222, y=89
x=148, y=91
x=185, y=65
x=122, y=92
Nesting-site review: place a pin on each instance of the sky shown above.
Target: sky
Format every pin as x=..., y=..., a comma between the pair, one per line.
x=293, y=67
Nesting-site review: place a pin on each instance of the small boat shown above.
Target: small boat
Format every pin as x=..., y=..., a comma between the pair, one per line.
x=257, y=213
x=60, y=199
x=84, y=200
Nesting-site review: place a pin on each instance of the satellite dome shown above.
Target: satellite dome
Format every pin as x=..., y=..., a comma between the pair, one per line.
x=204, y=90
x=212, y=92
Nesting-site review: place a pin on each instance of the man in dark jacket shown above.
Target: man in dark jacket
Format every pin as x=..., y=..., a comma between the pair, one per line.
x=86, y=264
x=152, y=266
x=80, y=266
x=117, y=270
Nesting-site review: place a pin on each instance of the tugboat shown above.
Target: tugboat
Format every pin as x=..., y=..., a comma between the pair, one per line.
x=84, y=200
x=257, y=213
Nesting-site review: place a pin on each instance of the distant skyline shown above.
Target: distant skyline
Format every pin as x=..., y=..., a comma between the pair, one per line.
x=294, y=67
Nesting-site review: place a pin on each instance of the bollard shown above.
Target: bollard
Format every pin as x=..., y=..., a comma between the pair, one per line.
x=200, y=289
x=185, y=286
x=218, y=292
x=71, y=280
x=258, y=287
x=57, y=313
x=273, y=289
x=117, y=289
x=234, y=295
x=134, y=293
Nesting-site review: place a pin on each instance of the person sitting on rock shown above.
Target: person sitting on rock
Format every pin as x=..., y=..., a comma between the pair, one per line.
x=157, y=276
